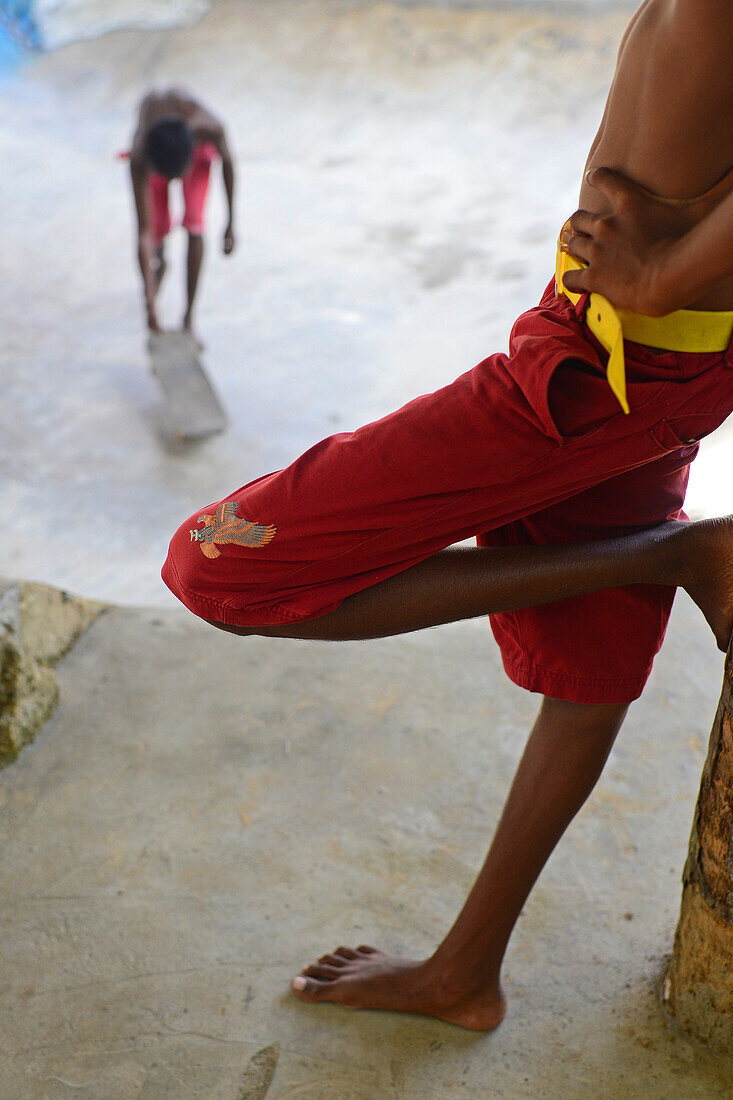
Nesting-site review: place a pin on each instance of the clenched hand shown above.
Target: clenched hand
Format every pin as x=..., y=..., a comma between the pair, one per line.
x=626, y=257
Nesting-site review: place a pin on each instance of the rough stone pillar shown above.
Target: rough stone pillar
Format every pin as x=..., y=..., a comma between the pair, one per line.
x=698, y=987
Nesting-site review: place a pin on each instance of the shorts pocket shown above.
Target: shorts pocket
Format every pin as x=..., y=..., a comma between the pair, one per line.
x=562, y=392
x=580, y=400
x=684, y=432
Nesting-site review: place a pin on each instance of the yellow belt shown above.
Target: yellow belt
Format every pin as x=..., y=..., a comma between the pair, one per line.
x=684, y=330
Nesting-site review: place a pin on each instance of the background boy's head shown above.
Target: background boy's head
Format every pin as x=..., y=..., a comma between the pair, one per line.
x=169, y=147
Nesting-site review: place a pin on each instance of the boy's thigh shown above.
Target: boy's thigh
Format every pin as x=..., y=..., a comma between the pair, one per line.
x=159, y=211
x=195, y=188
x=597, y=648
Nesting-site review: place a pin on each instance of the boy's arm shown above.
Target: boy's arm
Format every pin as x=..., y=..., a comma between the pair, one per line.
x=209, y=128
x=637, y=271
x=227, y=169
x=145, y=249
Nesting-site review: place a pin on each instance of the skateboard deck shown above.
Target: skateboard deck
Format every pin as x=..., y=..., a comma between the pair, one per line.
x=191, y=408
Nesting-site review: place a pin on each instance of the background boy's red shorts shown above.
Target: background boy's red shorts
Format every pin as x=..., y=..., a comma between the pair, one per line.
x=195, y=185
x=526, y=447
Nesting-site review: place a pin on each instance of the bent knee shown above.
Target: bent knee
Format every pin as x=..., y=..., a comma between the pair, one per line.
x=232, y=584
x=239, y=575
x=212, y=581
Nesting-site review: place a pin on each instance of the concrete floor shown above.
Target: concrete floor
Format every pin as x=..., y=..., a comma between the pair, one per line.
x=204, y=814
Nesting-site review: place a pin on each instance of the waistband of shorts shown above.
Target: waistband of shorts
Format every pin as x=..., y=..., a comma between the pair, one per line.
x=687, y=330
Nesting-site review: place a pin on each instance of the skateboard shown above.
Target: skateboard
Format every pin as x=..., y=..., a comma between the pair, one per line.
x=192, y=409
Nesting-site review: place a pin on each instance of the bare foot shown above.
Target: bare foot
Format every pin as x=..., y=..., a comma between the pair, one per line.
x=708, y=572
x=367, y=978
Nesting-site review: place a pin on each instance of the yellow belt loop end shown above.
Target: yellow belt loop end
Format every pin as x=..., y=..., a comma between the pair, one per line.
x=605, y=324
x=602, y=320
x=616, y=373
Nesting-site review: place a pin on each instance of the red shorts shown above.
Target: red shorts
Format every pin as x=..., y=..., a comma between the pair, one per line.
x=526, y=447
x=195, y=185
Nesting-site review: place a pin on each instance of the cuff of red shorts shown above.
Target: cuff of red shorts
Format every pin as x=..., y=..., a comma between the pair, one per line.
x=576, y=689
x=220, y=611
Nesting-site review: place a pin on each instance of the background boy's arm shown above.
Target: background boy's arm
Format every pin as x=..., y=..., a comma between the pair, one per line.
x=219, y=138
x=209, y=128
x=227, y=169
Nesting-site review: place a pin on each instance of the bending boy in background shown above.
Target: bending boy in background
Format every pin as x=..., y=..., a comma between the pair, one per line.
x=176, y=138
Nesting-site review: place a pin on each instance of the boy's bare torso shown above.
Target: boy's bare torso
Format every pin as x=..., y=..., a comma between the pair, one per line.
x=668, y=123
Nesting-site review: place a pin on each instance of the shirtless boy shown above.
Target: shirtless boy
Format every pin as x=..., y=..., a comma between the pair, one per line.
x=176, y=138
x=573, y=499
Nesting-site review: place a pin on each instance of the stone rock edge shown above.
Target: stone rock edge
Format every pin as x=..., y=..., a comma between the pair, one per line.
x=38, y=625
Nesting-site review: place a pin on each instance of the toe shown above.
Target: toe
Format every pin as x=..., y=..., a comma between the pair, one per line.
x=324, y=972
x=364, y=949
x=346, y=952
x=309, y=989
x=333, y=960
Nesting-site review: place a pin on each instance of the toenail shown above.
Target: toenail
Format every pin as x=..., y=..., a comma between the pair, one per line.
x=299, y=983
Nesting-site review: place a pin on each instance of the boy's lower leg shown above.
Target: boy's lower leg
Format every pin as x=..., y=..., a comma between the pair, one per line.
x=463, y=582
x=193, y=270
x=160, y=266
x=562, y=761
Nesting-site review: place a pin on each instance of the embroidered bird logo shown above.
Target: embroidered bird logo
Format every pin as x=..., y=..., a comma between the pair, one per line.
x=224, y=526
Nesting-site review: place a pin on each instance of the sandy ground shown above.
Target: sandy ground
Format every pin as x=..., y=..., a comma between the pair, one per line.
x=402, y=176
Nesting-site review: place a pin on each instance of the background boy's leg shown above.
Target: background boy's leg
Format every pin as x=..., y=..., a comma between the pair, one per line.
x=159, y=210
x=193, y=270
x=160, y=265
x=561, y=763
x=195, y=185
